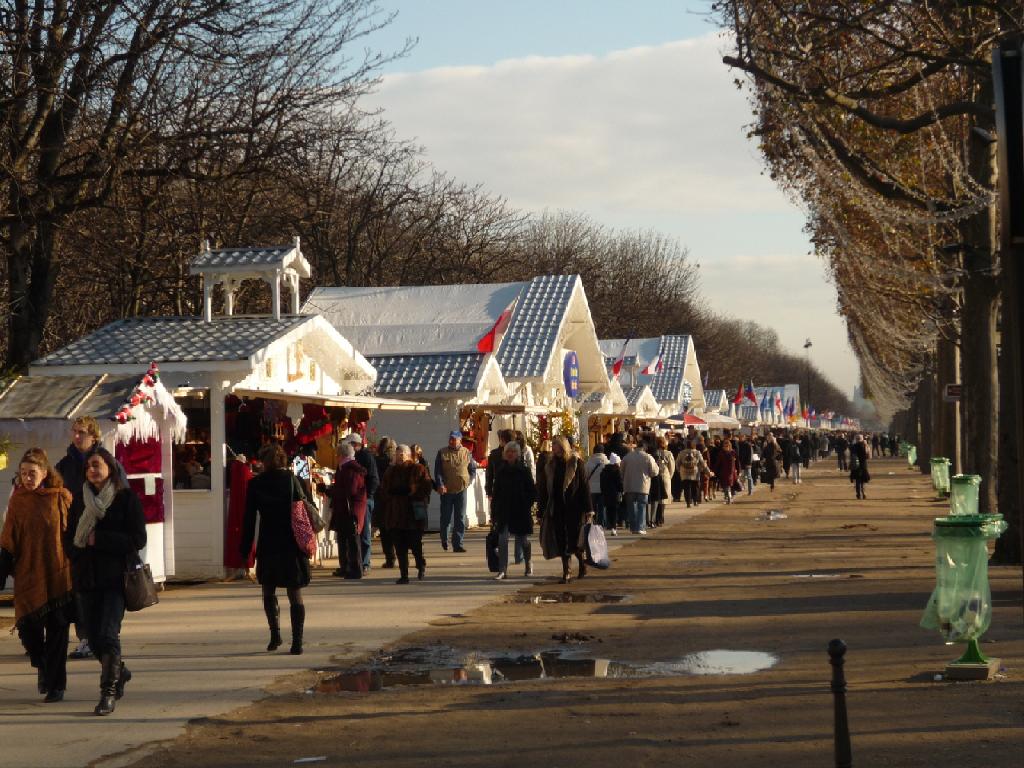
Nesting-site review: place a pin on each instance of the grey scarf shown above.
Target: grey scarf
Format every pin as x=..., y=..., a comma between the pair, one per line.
x=96, y=505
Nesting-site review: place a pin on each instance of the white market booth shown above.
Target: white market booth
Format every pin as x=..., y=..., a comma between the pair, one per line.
x=673, y=372
x=486, y=356
x=241, y=380
x=139, y=421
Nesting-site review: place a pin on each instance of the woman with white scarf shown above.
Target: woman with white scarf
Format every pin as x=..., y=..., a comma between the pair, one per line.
x=109, y=530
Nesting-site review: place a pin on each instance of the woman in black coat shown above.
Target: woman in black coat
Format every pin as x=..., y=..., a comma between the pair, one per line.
x=103, y=537
x=859, y=465
x=770, y=456
x=512, y=507
x=564, y=498
x=279, y=561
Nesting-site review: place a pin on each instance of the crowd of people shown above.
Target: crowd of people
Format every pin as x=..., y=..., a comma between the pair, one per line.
x=71, y=527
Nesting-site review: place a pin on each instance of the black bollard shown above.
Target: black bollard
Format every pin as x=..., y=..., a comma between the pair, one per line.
x=844, y=757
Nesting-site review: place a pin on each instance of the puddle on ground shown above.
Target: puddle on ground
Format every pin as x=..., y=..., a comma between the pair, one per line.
x=828, y=576
x=773, y=514
x=546, y=665
x=546, y=598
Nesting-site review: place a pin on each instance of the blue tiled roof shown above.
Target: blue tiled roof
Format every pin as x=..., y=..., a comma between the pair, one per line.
x=419, y=374
x=713, y=398
x=749, y=413
x=668, y=385
x=227, y=258
x=530, y=339
x=142, y=340
x=633, y=395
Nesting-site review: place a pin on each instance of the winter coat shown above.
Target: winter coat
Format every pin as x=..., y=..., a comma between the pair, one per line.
x=638, y=467
x=726, y=468
x=611, y=484
x=593, y=468
x=279, y=561
x=661, y=486
x=689, y=464
x=514, y=494
x=859, y=463
x=121, y=533
x=770, y=461
x=348, y=499
x=34, y=534
x=369, y=462
x=495, y=460
x=745, y=454
x=401, y=485
x=564, y=499
x=72, y=472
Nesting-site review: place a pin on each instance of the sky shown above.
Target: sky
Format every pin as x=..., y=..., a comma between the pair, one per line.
x=622, y=110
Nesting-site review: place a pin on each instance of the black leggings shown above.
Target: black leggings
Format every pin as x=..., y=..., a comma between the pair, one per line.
x=270, y=596
x=46, y=640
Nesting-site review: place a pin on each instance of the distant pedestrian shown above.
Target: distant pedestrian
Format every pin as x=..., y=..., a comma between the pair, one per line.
x=110, y=530
x=279, y=561
x=611, y=493
x=348, y=512
x=454, y=470
x=369, y=463
x=661, y=486
x=384, y=457
x=34, y=553
x=842, y=444
x=770, y=457
x=690, y=464
x=745, y=459
x=859, y=474
x=638, y=469
x=726, y=469
x=595, y=464
x=512, y=513
x=405, y=490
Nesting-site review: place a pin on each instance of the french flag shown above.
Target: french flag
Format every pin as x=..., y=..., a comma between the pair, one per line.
x=617, y=365
x=653, y=367
x=489, y=340
x=739, y=396
x=778, y=404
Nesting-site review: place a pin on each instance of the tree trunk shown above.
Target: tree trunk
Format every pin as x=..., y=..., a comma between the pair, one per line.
x=1008, y=546
x=924, y=409
x=979, y=365
x=32, y=277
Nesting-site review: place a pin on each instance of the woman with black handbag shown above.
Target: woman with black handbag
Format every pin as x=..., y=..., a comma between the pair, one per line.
x=103, y=541
x=279, y=560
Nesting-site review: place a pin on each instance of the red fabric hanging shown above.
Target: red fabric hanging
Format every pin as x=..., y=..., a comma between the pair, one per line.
x=240, y=477
x=144, y=457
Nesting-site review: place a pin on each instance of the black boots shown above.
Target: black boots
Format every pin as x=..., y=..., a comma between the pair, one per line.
x=298, y=614
x=270, y=607
x=583, y=566
x=123, y=676
x=110, y=666
x=566, y=577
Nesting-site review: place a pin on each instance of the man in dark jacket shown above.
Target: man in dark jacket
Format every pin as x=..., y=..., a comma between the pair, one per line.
x=745, y=455
x=367, y=462
x=348, y=512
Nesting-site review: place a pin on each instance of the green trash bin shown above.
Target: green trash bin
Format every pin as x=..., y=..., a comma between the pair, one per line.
x=911, y=456
x=963, y=497
x=960, y=607
x=940, y=476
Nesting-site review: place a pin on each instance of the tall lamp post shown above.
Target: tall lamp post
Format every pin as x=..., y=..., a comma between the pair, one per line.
x=807, y=370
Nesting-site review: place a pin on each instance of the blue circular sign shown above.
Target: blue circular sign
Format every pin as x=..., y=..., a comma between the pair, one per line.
x=571, y=374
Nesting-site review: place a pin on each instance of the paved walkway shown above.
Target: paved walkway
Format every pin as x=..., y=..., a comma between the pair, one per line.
x=200, y=652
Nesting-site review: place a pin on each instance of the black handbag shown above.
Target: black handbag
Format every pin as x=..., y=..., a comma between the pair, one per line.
x=139, y=587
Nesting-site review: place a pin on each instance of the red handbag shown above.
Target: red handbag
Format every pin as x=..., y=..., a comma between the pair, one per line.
x=302, y=530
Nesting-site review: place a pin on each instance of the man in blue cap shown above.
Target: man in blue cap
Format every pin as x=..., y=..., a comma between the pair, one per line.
x=454, y=469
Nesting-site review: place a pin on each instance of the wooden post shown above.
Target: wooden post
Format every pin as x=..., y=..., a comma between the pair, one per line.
x=844, y=757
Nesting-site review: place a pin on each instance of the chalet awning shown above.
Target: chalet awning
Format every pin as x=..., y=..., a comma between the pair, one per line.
x=336, y=401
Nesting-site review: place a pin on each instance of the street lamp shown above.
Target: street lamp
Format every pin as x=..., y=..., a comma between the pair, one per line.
x=807, y=368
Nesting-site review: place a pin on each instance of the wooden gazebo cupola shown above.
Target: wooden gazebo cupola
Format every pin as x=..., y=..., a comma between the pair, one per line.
x=228, y=267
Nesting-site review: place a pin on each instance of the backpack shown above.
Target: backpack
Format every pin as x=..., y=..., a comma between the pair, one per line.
x=689, y=460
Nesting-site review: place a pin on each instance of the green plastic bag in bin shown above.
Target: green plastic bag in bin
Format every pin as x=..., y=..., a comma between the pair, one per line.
x=960, y=607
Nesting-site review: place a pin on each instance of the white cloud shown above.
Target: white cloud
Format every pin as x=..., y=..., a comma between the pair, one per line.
x=644, y=137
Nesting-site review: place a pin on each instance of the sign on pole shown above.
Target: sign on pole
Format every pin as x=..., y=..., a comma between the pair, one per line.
x=952, y=393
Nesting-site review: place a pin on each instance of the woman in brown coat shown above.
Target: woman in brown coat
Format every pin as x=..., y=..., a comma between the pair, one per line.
x=405, y=491
x=563, y=496
x=37, y=517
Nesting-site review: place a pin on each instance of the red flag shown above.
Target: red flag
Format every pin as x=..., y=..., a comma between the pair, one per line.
x=617, y=365
x=487, y=343
x=652, y=367
x=739, y=396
